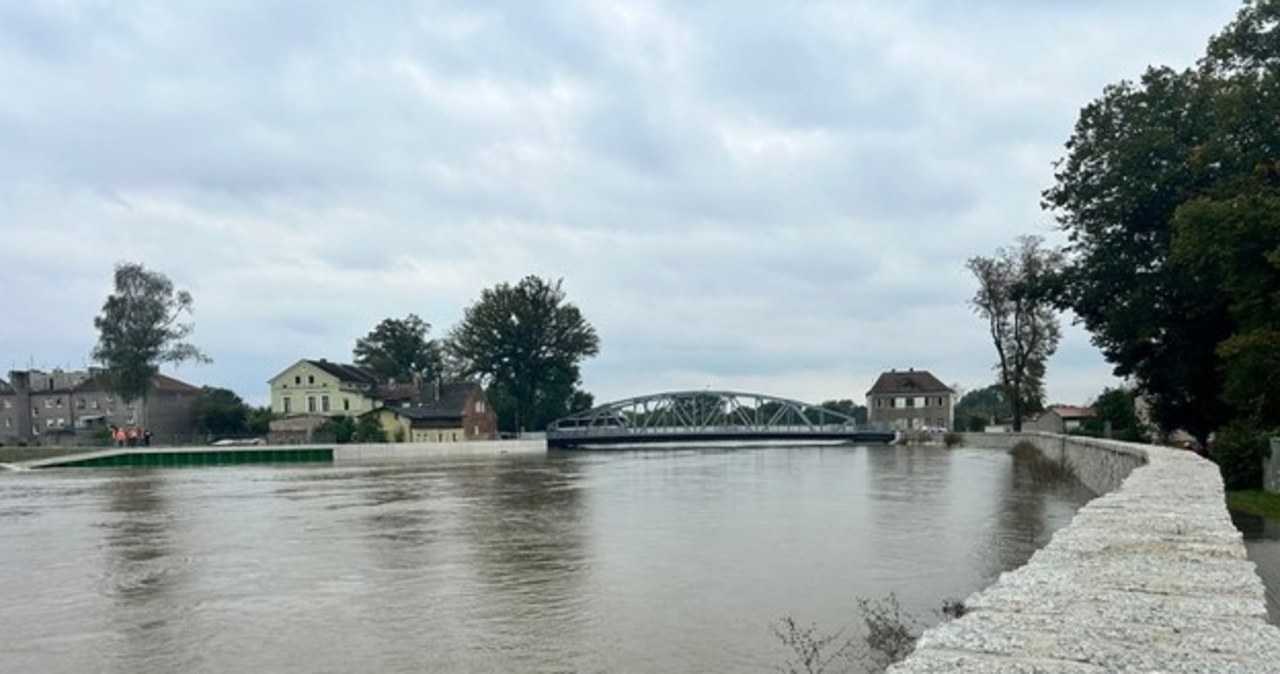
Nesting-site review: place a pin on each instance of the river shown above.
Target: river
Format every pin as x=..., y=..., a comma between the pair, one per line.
x=613, y=561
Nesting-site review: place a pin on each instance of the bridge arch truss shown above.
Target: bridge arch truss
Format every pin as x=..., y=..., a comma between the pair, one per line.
x=700, y=415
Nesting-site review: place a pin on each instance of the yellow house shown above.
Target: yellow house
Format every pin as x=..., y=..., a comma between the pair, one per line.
x=323, y=388
x=453, y=412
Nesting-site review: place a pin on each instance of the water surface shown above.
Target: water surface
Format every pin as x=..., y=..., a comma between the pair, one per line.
x=619, y=561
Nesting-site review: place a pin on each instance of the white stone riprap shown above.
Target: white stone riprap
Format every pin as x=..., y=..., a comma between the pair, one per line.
x=1150, y=577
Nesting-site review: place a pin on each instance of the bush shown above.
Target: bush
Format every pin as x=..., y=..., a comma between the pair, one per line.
x=1239, y=452
x=952, y=439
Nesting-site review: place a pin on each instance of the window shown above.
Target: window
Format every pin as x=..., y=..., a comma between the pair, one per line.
x=297, y=380
x=479, y=406
x=80, y=403
x=93, y=404
x=48, y=403
x=311, y=379
x=324, y=403
x=311, y=403
x=911, y=402
x=346, y=404
x=288, y=404
x=8, y=404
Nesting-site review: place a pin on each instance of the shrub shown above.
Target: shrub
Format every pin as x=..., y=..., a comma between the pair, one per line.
x=1239, y=452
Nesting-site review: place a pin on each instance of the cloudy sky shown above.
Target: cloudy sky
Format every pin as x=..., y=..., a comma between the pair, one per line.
x=775, y=197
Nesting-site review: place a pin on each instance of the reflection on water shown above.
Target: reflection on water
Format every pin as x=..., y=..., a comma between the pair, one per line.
x=1262, y=540
x=677, y=560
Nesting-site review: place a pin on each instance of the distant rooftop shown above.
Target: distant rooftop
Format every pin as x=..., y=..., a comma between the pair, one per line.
x=911, y=381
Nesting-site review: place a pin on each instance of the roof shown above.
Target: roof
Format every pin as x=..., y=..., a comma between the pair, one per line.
x=4, y=387
x=167, y=384
x=908, y=381
x=346, y=371
x=161, y=383
x=451, y=403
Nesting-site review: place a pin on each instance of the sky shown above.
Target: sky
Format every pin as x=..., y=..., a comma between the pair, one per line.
x=772, y=197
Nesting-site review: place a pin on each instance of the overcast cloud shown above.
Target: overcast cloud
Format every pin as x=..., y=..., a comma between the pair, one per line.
x=766, y=196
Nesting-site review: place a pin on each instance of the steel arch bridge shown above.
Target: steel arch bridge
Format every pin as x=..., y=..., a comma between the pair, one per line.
x=706, y=416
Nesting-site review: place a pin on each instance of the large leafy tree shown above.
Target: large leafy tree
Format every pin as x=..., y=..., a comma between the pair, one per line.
x=525, y=342
x=1116, y=415
x=1022, y=322
x=982, y=407
x=398, y=348
x=139, y=328
x=220, y=411
x=1180, y=155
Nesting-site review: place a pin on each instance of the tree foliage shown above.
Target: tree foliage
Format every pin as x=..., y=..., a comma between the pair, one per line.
x=399, y=349
x=1022, y=323
x=982, y=407
x=221, y=412
x=525, y=342
x=1167, y=194
x=139, y=328
x=1116, y=415
x=847, y=408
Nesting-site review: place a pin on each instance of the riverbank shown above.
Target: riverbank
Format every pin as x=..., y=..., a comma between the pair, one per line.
x=1255, y=502
x=1150, y=576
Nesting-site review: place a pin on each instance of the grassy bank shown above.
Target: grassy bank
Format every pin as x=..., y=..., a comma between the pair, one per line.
x=1255, y=502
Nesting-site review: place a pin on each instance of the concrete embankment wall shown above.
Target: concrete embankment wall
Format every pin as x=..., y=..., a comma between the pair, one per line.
x=411, y=451
x=230, y=455
x=1149, y=577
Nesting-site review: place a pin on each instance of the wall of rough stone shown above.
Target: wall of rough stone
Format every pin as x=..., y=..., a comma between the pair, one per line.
x=1149, y=577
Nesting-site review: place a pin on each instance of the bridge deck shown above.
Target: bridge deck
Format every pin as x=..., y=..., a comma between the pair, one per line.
x=568, y=439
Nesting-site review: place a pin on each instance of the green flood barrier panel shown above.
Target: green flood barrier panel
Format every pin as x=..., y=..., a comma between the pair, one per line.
x=201, y=458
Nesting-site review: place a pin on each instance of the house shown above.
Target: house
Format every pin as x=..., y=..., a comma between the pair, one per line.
x=452, y=412
x=910, y=400
x=309, y=392
x=323, y=388
x=1060, y=419
x=72, y=407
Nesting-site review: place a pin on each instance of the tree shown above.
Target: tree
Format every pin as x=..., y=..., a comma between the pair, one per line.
x=1177, y=156
x=847, y=408
x=220, y=411
x=1022, y=323
x=368, y=430
x=138, y=330
x=1116, y=416
x=259, y=422
x=525, y=343
x=982, y=407
x=399, y=349
x=1233, y=246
